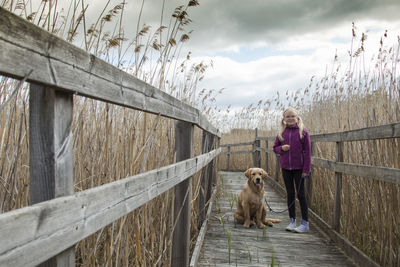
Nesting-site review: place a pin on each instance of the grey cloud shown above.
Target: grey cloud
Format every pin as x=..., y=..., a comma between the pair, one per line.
x=219, y=23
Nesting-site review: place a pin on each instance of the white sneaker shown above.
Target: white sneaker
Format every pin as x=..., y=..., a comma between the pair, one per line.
x=292, y=225
x=303, y=227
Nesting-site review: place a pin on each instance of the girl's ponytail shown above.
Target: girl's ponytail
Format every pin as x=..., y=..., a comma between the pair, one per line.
x=283, y=126
x=301, y=126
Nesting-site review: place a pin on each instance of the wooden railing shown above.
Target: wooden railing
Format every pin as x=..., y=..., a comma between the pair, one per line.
x=390, y=175
x=58, y=218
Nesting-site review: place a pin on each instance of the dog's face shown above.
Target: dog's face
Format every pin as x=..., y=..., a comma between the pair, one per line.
x=256, y=177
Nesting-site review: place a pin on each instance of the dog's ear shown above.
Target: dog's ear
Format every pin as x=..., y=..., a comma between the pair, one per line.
x=264, y=174
x=247, y=173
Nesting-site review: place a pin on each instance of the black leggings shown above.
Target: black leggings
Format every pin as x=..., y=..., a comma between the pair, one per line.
x=292, y=177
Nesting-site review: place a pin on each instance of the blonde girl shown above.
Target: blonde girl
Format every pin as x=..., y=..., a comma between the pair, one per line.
x=294, y=147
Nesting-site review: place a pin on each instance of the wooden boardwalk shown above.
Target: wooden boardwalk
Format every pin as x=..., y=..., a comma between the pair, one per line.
x=257, y=247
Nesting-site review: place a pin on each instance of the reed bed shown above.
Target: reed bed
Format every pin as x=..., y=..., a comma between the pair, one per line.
x=362, y=94
x=110, y=142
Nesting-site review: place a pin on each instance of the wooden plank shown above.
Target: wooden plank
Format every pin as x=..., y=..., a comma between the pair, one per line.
x=50, y=149
x=259, y=149
x=237, y=152
x=238, y=144
x=200, y=238
x=377, y=132
x=61, y=65
x=66, y=220
x=351, y=251
x=182, y=198
x=270, y=138
x=390, y=175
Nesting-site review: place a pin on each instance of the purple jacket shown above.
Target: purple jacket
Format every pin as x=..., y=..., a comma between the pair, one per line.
x=299, y=155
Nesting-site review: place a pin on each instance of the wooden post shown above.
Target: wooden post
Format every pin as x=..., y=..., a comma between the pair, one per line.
x=256, y=151
x=216, y=144
x=308, y=182
x=204, y=182
x=211, y=169
x=266, y=156
x=50, y=152
x=338, y=189
x=183, y=197
x=228, y=156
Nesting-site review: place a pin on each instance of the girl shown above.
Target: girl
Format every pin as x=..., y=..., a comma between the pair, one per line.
x=293, y=146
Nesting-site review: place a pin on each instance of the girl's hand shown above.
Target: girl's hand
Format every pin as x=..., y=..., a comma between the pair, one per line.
x=285, y=147
x=304, y=175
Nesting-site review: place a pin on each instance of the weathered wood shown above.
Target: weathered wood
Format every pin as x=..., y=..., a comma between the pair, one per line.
x=389, y=175
x=50, y=149
x=66, y=220
x=309, y=181
x=200, y=237
x=238, y=144
x=230, y=244
x=236, y=152
x=338, y=189
x=183, y=198
x=208, y=144
x=260, y=149
x=217, y=142
x=369, y=133
x=266, y=156
x=61, y=65
x=256, y=152
x=269, y=138
x=345, y=245
x=228, y=157
x=211, y=169
x=204, y=180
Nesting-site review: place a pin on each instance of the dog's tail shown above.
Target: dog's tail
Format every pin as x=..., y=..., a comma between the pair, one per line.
x=272, y=220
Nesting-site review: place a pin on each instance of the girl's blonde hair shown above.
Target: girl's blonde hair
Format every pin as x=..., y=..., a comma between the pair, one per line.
x=299, y=123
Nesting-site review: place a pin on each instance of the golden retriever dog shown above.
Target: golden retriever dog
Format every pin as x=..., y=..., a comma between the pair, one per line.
x=251, y=208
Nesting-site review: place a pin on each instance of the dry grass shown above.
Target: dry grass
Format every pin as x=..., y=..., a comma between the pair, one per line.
x=365, y=94
x=110, y=142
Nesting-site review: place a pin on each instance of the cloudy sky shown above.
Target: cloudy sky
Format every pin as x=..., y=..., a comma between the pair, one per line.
x=259, y=47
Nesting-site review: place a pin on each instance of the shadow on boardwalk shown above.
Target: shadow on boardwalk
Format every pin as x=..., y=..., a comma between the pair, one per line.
x=227, y=244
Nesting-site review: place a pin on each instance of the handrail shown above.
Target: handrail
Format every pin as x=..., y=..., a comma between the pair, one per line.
x=369, y=133
x=238, y=144
x=64, y=66
x=66, y=220
x=389, y=175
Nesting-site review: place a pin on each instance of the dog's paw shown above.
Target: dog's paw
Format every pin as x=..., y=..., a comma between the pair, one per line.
x=270, y=224
x=261, y=225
